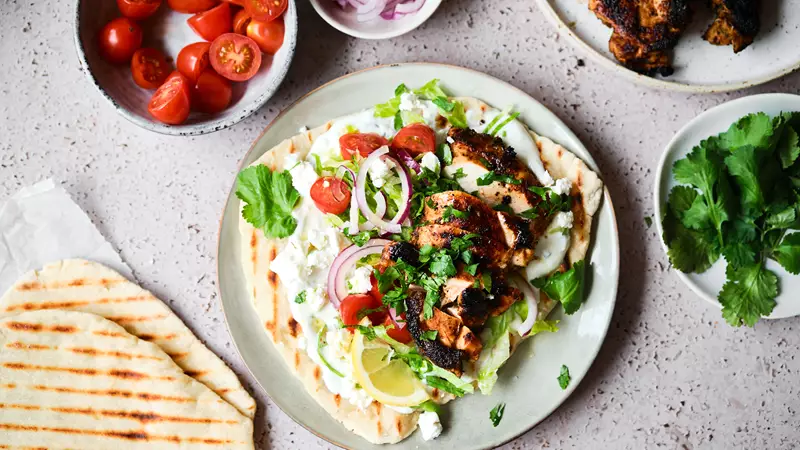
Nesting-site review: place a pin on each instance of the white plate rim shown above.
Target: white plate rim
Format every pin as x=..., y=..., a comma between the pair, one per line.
x=576, y=377
x=662, y=171
x=563, y=29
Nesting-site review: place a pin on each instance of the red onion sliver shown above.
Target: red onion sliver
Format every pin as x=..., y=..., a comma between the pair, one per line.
x=392, y=226
x=409, y=7
x=346, y=259
x=393, y=314
x=408, y=161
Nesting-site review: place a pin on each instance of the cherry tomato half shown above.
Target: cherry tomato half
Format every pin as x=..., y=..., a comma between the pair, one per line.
x=355, y=303
x=192, y=6
x=268, y=35
x=170, y=104
x=331, y=195
x=235, y=57
x=398, y=334
x=212, y=93
x=149, y=68
x=265, y=10
x=235, y=2
x=193, y=60
x=416, y=139
x=138, y=9
x=210, y=24
x=363, y=143
x=374, y=291
x=240, y=21
x=119, y=39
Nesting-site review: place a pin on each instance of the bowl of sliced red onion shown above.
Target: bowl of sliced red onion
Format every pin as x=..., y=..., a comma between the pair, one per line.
x=375, y=19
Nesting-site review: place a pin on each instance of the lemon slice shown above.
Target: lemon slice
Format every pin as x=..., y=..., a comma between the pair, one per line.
x=388, y=381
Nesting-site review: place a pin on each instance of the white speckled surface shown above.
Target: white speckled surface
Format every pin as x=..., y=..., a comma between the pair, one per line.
x=670, y=374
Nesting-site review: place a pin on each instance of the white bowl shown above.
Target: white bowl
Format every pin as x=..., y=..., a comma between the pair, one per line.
x=168, y=31
x=346, y=22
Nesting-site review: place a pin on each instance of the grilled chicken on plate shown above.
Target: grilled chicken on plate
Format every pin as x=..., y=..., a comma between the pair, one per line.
x=408, y=238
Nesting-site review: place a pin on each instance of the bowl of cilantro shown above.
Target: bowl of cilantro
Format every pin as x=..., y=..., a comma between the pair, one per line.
x=727, y=199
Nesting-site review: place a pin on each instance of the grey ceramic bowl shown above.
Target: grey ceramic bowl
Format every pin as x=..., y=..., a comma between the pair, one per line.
x=168, y=31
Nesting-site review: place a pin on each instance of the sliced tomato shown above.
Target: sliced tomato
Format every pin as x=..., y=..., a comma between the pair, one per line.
x=416, y=139
x=119, y=39
x=149, y=67
x=210, y=24
x=331, y=195
x=361, y=143
x=193, y=60
x=374, y=290
x=354, y=304
x=268, y=35
x=170, y=104
x=212, y=93
x=138, y=9
x=265, y=10
x=398, y=334
x=235, y=57
x=192, y=6
x=240, y=21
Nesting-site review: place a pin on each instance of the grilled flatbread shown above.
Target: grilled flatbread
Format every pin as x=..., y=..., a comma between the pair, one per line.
x=76, y=380
x=376, y=424
x=79, y=285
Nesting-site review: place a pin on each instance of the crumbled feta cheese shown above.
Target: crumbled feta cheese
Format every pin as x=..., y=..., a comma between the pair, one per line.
x=316, y=298
x=380, y=171
x=360, y=282
x=562, y=186
x=303, y=176
x=545, y=178
x=563, y=220
x=302, y=129
x=450, y=140
x=431, y=162
x=409, y=102
x=429, y=425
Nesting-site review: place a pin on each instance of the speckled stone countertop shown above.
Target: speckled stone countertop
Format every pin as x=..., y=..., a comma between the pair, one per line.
x=671, y=374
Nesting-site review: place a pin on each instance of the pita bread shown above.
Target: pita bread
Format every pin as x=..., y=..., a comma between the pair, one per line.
x=376, y=424
x=76, y=380
x=79, y=285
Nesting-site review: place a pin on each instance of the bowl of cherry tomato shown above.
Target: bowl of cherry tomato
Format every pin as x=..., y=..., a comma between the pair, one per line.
x=186, y=67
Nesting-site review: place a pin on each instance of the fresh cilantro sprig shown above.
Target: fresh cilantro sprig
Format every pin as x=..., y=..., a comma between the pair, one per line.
x=739, y=198
x=269, y=199
x=563, y=377
x=496, y=414
x=565, y=287
x=492, y=176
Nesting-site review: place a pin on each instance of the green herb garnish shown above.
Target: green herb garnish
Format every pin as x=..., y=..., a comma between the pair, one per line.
x=563, y=377
x=269, y=199
x=496, y=414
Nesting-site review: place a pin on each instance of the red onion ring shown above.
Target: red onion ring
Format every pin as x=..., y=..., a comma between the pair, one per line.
x=392, y=226
x=394, y=316
x=531, y=295
x=408, y=161
x=346, y=259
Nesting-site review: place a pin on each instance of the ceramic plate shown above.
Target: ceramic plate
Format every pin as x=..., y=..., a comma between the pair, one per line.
x=699, y=66
x=712, y=122
x=528, y=382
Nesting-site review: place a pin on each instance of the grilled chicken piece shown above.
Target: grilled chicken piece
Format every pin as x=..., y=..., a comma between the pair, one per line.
x=737, y=23
x=444, y=357
x=504, y=295
x=469, y=343
x=487, y=251
x=394, y=251
x=644, y=31
x=471, y=304
x=471, y=307
x=478, y=153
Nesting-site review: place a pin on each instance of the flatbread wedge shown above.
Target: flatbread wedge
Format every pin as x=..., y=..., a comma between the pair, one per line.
x=377, y=424
x=79, y=285
x=76, y=380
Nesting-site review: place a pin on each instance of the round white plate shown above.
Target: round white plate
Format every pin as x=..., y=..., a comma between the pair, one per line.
x=528, y=383
x=712, y=122
x=699, y=66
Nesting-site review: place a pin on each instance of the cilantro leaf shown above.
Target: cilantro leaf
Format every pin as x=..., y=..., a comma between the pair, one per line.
x=269, y=199
x=444, y=385
x=788, y=253
x=442, y=265
x=492, y=176
x=688, y=250
x=747, y=164
x=300, y=298
x=703, y=169
x=748, y=294
x=788, y=147
x=565, y=287
x=450, y=212
x=739, y=253
x=648, y=221
x=563, y=377
x=496, y=414
x=471, y=269
x=429, y=335
x=755, y=130
x=428, y=405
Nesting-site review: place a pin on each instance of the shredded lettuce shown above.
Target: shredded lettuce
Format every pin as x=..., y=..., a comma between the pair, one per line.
x=388, y=109
x=453, y=111
x=431, y=90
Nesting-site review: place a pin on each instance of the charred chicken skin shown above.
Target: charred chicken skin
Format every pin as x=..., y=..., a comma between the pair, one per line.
x=644, y=31
x=736, y=23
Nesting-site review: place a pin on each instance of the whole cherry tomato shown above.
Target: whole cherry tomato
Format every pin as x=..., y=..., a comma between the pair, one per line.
x=212, y=93
x=210, y=24
x=119, y=39
x=193, y=60
x=149, y=68
x=138, y=9
x=240, y=21
x=361, y=143
x=235, y=57
x=331, y=195
x=192, y=6
x=265, y=10
x=171, y=102
x=268, y=35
